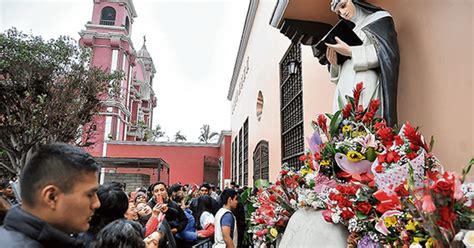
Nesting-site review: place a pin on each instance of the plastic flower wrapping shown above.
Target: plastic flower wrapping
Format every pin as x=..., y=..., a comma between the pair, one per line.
x=382, y=183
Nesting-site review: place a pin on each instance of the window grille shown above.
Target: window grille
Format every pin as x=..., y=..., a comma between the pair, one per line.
x=291, y=107
x=260, y=161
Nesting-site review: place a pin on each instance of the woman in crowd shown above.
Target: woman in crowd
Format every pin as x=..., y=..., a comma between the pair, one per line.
x=127, y=234
x=205, y=216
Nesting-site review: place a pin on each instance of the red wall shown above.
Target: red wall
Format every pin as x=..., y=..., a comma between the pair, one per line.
x=225, y=153
x=186, y=162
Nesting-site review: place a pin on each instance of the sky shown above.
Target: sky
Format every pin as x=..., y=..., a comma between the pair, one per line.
x=193, y=43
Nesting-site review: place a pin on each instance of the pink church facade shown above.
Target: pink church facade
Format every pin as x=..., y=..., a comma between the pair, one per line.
x=120, y=143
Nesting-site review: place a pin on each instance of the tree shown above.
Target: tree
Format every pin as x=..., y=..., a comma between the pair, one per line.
x=48, y=93
x=206, y=134
x=156, y=133
x=178, y=137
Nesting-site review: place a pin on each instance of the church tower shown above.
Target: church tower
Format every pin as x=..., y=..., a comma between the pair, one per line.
x=108, y=34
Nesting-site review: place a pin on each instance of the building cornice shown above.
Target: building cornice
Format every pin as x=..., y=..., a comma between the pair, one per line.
x=277, y=16
x=117, y=104
x=223, y=134
x=108, y=35
x=253, y=5
x=157, y=143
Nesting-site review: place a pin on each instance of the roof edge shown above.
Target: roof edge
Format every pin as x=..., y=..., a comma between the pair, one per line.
x=253, y=5
x=277, y=16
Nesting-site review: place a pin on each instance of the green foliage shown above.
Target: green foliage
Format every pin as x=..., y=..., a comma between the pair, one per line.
x=178, y=137
x=48, y=92
x=206, y=135
x=467, y=169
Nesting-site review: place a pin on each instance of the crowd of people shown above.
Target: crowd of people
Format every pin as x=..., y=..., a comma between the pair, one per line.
x=61, y=204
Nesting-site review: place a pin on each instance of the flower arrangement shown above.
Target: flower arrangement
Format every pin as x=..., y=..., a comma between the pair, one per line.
x=273, y=207
x=382, y=183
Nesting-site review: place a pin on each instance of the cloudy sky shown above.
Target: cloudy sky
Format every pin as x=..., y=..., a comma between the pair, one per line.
x=193, y=43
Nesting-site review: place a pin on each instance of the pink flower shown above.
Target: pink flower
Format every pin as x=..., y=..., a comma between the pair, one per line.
x=427, y=204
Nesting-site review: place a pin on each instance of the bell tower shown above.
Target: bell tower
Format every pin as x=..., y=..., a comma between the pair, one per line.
x=108, y=35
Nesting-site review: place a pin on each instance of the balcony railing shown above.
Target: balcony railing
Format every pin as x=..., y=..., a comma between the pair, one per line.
x=107, y=22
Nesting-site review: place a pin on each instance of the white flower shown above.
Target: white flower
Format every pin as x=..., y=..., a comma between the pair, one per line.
x=469, y=239
x=416, y=245
x=367, y=142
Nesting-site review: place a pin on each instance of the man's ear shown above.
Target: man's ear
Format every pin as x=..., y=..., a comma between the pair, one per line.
x=49, y=196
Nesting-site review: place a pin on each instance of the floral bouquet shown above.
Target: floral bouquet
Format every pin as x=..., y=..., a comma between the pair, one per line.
x=348, y=146
x=273, y=207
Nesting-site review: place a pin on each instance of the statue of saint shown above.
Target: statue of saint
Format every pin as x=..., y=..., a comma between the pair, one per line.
x=375, y=62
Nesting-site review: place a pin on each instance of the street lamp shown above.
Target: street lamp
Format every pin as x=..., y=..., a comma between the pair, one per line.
x=292, y=67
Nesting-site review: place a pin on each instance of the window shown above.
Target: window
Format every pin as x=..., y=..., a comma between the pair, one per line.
x=239, y=179
x=107, y=16
x=246, y=152
x=259, y=105
x=127, y=24
x=260, y=161
x=291, y=107
x=240, y=163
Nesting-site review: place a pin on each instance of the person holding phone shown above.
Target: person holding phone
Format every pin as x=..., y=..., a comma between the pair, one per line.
x=173, y=213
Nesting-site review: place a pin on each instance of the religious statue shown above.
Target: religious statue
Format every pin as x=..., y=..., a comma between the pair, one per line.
x=375, y=62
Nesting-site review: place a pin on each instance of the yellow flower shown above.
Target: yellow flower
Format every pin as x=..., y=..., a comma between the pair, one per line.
x=411, y=226
x=324, y=163
x=274, y=232
x=390, y=221
x=346, y=128
x=429, y=243
x=354, y=156
x=306, y=171
x=356, y=134
x=418, y=239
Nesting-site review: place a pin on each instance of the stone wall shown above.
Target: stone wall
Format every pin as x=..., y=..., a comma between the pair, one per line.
x=131, y=181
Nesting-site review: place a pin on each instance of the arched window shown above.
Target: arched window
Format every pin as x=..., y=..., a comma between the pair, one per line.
x=127, y=24
x=107, y=16
x=260, y=161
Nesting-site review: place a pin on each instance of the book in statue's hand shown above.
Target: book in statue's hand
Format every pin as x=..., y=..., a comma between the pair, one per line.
x=342, y=30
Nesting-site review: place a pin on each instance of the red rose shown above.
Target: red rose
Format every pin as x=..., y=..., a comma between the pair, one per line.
x=446, y=217
x=393, y=157
x=272, y=198
x=364, y=207
x=347, y=214
x=341, y=189
x=379, y=168
x=444, y=187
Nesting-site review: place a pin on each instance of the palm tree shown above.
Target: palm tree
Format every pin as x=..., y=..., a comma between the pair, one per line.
x=179, y=137
x=206, y=134
x=157, y=133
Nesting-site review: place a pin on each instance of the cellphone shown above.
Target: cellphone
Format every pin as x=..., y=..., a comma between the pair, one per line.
x=159, y=199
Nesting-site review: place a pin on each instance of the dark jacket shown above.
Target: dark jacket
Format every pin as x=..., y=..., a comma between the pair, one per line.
x=175, y=215
x=22, y=229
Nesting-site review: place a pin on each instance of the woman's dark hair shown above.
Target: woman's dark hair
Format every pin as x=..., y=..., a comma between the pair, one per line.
x=120, y=234
x=163, y=242
x=113, y=206
x=204, y=204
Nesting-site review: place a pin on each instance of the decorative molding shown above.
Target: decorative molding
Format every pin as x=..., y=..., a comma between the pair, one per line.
x=117, y=104
x=243, y=45
x=223, y=134
x=277, y=16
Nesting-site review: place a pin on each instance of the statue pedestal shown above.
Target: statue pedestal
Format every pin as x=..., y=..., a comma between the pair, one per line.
x=307, y=228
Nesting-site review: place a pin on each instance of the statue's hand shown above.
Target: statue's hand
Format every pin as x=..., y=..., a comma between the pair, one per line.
x=331, y=55
x=341, y=47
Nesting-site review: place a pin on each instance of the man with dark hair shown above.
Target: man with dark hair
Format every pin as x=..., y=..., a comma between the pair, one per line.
x=58, y=191
x=225, y=231
x=6, y=191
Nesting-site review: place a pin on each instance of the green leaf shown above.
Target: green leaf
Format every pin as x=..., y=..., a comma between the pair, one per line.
x=334, y=124
x=262, y=183
x=466, y=170
x=361, y=216
x=432, y=141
